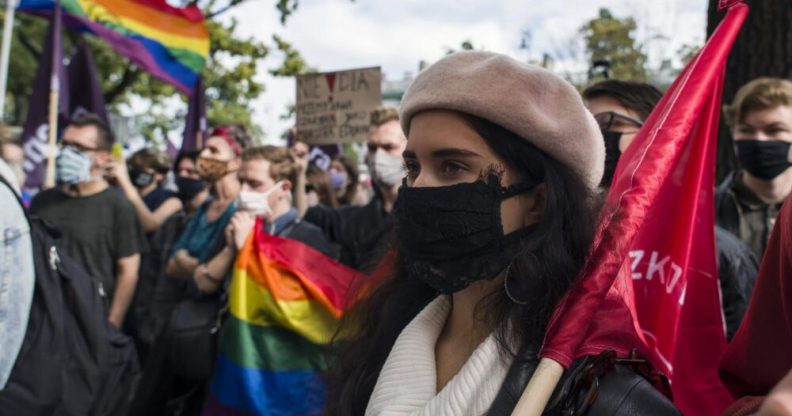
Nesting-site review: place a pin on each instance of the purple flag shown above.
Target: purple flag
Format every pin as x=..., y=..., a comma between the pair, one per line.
x=85, y=91
x=36, y=131
x=322, y=155
x=196, y=120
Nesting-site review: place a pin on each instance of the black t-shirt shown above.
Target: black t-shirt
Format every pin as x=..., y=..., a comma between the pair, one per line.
x=157, y=197
x=97, y=230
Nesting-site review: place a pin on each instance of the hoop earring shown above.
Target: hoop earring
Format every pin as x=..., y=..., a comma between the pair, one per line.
x=506, y=287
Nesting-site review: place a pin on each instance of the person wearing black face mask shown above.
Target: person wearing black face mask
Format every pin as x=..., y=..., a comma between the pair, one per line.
x=141, y=179
x=620, y=108
x=492, y=225
x=747, y=202
x=192, y=190
x=156, y=294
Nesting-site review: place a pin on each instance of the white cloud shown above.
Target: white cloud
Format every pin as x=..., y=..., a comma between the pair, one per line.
x=397, y=35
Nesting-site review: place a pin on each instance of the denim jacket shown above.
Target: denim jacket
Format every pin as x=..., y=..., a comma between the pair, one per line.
x=17, y=278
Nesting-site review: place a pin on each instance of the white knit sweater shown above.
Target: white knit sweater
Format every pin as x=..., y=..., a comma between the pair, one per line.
x=407, y=384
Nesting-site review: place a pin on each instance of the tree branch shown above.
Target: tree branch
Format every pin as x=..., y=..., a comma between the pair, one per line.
x=231, y=4
x=131, y=74
x=29, y=45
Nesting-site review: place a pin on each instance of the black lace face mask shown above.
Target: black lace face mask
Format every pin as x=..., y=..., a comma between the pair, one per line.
x=612, y=155
x=452, y=236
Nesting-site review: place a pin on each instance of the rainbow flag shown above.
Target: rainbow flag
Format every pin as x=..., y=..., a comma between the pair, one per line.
x=285, y=303
x=170, y=43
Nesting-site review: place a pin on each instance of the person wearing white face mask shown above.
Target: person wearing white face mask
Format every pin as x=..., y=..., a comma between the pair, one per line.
x=362, y=231
x=266, y=175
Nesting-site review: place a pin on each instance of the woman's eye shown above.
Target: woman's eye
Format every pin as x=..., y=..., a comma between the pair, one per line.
x=451, y=168
x=411, y=168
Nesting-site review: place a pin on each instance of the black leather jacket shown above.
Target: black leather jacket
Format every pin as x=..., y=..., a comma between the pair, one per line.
x=615, y=389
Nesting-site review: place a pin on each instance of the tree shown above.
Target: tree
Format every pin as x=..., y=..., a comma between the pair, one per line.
x=466, y=45
x=761, y=49
x=229, y=74
x=610, y=39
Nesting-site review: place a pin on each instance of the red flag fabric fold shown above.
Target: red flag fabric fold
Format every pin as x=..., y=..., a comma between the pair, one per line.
x=759, y=355
x=655, y=245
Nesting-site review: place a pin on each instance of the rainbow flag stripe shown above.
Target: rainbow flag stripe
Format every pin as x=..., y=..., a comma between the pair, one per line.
x=285, y=302
x=170, y=43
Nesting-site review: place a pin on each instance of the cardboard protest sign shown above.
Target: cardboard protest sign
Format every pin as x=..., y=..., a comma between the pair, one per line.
x=334, y=107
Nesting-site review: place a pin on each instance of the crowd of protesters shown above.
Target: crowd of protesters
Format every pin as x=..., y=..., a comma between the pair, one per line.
x=487, y=196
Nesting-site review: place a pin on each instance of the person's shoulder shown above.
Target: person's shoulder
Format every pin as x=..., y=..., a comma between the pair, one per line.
x=729, y=245
x=49, y=194
x=617, y=388
x=46, y=198
x=306, y=227
x=622, y=391
x=112, y=197
x=727, y=183
x=311, y=235
x=166, y=193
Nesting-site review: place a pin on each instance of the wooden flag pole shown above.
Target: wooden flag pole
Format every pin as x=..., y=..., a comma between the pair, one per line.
x=49, y=179
x=5, y=51
x=539, y=390
x=199, y=139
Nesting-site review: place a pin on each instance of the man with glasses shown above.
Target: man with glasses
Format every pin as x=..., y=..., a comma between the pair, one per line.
x=99, y=227
x=361, y=231
x=620, y=108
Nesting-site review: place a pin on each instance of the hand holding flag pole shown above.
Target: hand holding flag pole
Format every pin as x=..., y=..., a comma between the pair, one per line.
x=686, y=116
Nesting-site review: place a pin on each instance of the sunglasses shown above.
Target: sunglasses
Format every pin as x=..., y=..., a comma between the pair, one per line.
x=78, y=146
x=607, y=119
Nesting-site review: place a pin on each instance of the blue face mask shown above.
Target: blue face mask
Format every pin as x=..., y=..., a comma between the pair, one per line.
x=337, y=179
x=72, y=166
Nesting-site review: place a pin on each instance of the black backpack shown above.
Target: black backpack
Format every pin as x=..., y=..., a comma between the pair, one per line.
x=72, y=360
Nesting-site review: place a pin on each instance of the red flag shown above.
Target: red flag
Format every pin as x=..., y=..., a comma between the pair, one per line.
x=659, y=222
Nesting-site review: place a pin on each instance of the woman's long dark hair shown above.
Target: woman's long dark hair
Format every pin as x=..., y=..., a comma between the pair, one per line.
x=549, y=261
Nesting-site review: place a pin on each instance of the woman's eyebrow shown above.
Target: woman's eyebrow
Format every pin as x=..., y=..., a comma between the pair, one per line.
x=440, y=153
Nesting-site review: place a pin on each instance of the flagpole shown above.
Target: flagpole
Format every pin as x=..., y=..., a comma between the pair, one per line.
x=49, y=178
x=5, y=51
x=537, y=393
x=49, y=182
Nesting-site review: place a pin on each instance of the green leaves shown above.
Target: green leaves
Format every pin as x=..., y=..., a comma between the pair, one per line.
x=612, y=39
x=229, y=74
x=293, y=62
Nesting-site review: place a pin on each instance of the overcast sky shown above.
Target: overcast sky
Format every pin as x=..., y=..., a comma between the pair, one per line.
x=398, y=34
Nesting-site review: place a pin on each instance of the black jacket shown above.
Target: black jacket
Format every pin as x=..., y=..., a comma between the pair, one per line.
x=727, y=214
x=737, y=269
x=619, y=390
x=361, y=232
x=312, y=236
x=741, y=212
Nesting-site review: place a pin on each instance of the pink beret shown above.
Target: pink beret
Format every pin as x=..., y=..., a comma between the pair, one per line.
x=525, y=99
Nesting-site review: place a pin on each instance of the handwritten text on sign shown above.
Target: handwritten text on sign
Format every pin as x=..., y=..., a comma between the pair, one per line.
x=334, y=107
